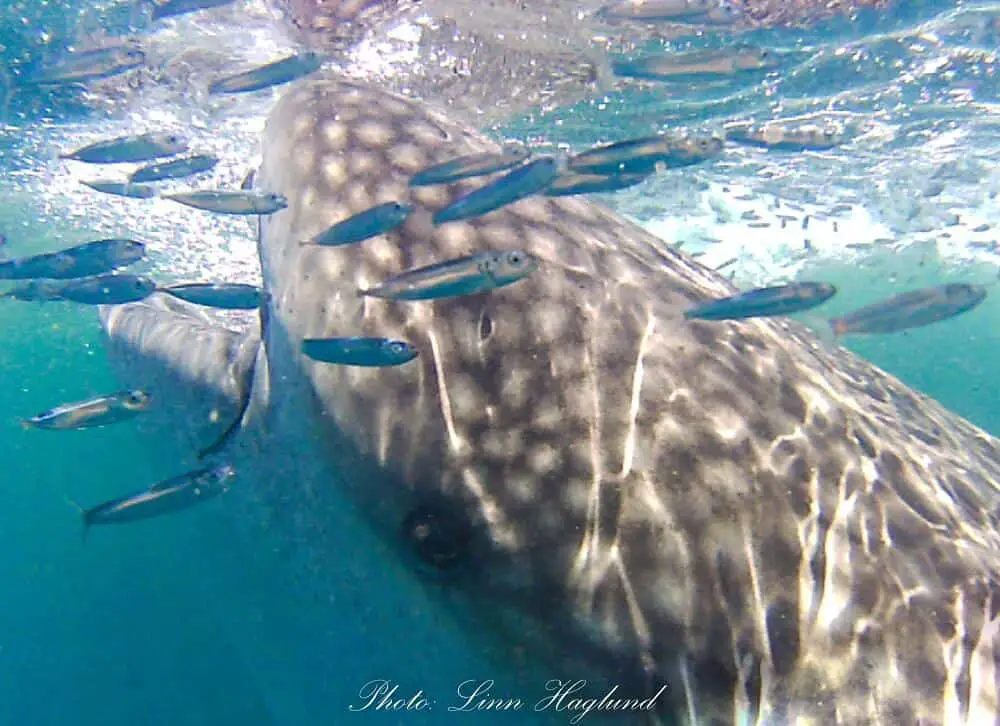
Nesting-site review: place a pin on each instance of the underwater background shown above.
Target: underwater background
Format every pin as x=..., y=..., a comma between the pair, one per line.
x=188, y=621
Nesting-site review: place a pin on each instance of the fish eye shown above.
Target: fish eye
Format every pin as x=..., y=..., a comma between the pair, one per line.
x=515, y=258
x=398, y=347
x=438, y=535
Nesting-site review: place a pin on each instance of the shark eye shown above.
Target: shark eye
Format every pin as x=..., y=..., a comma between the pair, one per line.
x=439, y=536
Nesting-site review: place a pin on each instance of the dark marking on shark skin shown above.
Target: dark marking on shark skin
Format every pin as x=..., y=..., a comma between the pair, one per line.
x=650, y=500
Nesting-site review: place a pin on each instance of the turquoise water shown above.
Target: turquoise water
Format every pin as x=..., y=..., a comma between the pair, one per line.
x=190, y=621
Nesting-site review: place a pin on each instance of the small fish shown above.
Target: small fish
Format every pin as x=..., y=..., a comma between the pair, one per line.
x=168, y=496
x=696, y=65
x=175, y=168
x=911, y=309
x=222, y=295
x=780, y=137
x=570, y=183
x=380, y=219
x=367, y=352
x=142, y=147
x=91, y=258
x=281, y=71
x=87, y=65
x=477, y=273
x=518, y=184
x=765, y=302
x=225, y=202
x=641, y=156
x=110, y=289
x=469, y=166
x=122, y=189
x=91, y=413
x=180, y=7
x=657, y=9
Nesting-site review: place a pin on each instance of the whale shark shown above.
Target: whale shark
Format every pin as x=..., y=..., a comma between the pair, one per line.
x=732, y=519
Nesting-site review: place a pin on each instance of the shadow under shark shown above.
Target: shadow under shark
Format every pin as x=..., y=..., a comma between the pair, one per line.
x=590, y=485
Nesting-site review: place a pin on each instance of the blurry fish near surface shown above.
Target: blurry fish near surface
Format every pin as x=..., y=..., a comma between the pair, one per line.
x=699, y=64
x=470, y=275
x=227, y=202
x=91, y=258
x=356, y=351
x=175, y=168
x=765, y=302
x=469, y=166
x=168, y=496
x=641, y=156
x=785, y=137
x=911, y=309
x=91, y=413
x=380, y=219
x=272, y=74
x=86, y=65
x=141, y=147
x=121, y=189
x=675, y=10
x=222, y=295
x=514, y=186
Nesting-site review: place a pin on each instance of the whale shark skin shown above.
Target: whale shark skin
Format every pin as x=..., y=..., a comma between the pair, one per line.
x=778, y=532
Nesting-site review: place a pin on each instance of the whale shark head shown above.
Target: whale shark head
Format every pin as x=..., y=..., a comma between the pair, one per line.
x=725, y=509
x=775, y=532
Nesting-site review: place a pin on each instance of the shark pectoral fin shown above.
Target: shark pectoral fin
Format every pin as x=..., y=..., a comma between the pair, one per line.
x=194, y=365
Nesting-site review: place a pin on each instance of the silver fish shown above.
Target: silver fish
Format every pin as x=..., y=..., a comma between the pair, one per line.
x=642, y=155
x=272, y=74
x=170, y=8
x=223, y=295
x=477, y=273
x=121, y=189
x=166, y=497
x=142, y=147
x=523, y=182
x=91, y=413
x=764, y=302
x=377, y=220
x=110, y=289
x=781, y=137
x=87, y=65
x=91, y=258
x=911, y=309
x=366, y=352
x=226, y=202
x=469, y=166
x=675, y=10
x=175, y=168
x=701, y=64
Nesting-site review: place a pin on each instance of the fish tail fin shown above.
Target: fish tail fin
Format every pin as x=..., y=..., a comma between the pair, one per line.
x=83, y=518
x=26, y=425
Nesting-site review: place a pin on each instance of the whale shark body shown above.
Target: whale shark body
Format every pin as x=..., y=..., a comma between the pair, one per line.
x=777, y=532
